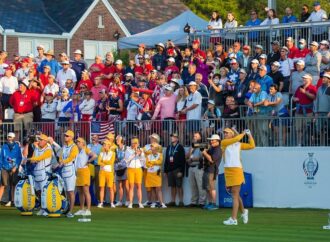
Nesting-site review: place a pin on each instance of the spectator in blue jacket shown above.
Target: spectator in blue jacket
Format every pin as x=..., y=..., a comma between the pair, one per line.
x=253, y=21
x=264, y=80
x=10, y=160
x=159, y=59
x=78, y=64
x=51, y=62
x=288, y=18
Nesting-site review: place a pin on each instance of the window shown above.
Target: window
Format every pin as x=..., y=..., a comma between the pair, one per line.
x=29, y=45
x=93, y=48
x=100, y=26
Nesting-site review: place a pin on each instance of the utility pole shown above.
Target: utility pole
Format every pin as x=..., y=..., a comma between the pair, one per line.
x=272, y=4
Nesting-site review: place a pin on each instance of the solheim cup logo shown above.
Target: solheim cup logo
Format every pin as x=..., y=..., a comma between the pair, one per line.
x=310, y=166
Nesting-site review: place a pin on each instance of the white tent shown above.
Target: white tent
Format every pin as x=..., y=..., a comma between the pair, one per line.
x=173, y=30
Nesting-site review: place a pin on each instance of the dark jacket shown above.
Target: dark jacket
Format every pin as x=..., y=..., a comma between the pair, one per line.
x=179, y=158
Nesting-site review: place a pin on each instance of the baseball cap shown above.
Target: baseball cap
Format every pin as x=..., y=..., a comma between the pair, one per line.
x=246, y=47
x=65, y=62
x=11, y=134
x=42, y=137
x=300, y=62
x=196, y=41
x=49, y=94
x=161, y=45
x=324, y=42
x=40, y=47
x=214, y=137
x=79, y=52
x=263, y=56
x=30, y=55
x=314, y=43
x=326, y=75
x=276, y=63
x=262, y=67
x=232, y=55
x=259, y=47
x=142, y=45
x=168, y=88
x=285, y=48
x=275, y=42
x=192, y=83
x=171, y=59
x=25, y=82
x=175, y=134
x=69, y=133
x=211, y=102
x=289, y=39
x=155, y=136
x=307, y=76
x=118, y=62
x=302, y=41
x=242, y=70
x=129, y=74
x=316, y=3
x=233, y=61
x=255, y=61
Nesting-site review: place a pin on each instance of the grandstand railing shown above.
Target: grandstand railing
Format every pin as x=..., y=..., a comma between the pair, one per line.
x=267, y=131
x=264, y=35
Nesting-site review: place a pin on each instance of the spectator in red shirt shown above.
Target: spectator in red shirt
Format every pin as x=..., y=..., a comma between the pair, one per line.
x=36, y=92
x=118, y=86
x=304, y=98
x=86, y=80
x=22, y=102
x=292, y=48
x=97, y=88
x=17, y=61
x=108, y=69
x=44, y=76
x=171, y=68
x=139, y=68
x=148, y=65
x=152, y=79
x=197, y=52
x=96, y=68
x=302, y=51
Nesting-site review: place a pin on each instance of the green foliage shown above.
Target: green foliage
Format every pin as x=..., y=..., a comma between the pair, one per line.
x=241, y=8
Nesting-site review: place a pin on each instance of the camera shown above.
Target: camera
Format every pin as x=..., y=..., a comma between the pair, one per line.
x=30, y=139
x=201, y=146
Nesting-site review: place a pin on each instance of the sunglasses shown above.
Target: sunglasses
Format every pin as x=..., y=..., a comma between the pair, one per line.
x=66, y=135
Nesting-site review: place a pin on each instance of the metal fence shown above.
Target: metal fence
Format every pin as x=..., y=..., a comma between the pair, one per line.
x=267, y=131
x=264, y=35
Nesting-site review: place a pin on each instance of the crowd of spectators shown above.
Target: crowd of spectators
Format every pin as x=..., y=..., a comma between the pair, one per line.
x=168, y=83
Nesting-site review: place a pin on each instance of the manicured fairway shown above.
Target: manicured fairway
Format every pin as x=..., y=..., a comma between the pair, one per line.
x=170, y=225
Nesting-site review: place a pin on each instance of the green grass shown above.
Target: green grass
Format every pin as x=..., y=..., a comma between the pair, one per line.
x=170, y=225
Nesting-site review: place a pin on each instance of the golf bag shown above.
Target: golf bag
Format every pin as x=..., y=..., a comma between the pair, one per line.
x=25, y=197
x=52, y=200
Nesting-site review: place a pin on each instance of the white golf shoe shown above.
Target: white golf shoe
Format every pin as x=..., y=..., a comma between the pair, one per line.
x=230, y=221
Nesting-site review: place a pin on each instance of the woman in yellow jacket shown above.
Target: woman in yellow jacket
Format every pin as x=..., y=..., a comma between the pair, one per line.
x=106, y=162
x=234, y=177
x=153, y=177
x=84, y=157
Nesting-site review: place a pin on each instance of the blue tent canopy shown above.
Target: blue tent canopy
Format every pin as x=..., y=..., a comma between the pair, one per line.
x=173, y=30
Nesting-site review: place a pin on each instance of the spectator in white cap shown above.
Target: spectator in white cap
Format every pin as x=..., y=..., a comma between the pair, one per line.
x=66, y=73
x=212, y=115
x=8, y=85
x=289, y=43
x=302, y=51
x=286, y=68
x=313, y=62
x=263, y=61
x=264, y=80
x=241, y=87
x=258, y=50
x=233, y=73
x=41, y=56
x=296, y=77
x=78, y=64
x=171, y=68
x=322, y=107
x=276, y=75
x=254, y=72
x=325, y=53
x=318, y=15
x=193, y=108
x=159, y=59
x=304, y=98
